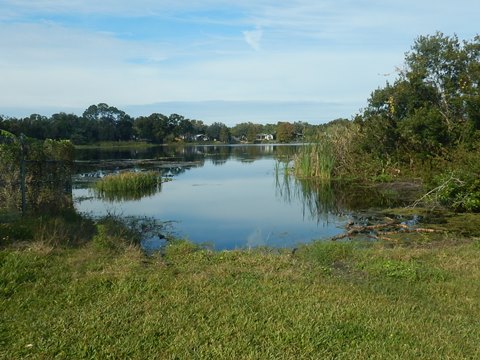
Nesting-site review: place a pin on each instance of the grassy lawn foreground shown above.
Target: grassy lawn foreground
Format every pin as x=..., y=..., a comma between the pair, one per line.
x=327, y=300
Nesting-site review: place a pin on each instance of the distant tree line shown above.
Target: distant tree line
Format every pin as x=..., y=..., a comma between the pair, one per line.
x=107, y=123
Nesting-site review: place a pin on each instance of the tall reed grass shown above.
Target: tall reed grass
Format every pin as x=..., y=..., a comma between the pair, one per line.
x=128, y=185
x=315, y=160
x=331, y=153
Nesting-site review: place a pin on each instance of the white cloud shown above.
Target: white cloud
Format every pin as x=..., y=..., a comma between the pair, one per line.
x=51, y=65
x=253, y=38
x=311, y=50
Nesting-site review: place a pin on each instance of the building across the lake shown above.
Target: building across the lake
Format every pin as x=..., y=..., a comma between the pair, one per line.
x=264, y=137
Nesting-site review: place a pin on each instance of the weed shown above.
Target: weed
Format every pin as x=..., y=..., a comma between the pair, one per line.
x=393, y=269
x=113, y=234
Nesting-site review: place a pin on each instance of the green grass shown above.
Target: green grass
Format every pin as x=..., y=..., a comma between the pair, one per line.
x=128, y=185
x=326, y=300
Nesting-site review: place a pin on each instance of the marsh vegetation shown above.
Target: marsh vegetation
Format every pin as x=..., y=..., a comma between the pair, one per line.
x=73, y=286
x=128, y=185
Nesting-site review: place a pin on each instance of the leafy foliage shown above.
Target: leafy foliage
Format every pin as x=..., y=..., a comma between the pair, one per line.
x=432, y=106
x=105, y=123
x=427, y=122
x=285, y=132
x=114, y=235
x=461, y=191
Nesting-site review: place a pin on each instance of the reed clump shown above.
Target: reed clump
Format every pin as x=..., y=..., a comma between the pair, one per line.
x=315, y=160
x=128, y=185
x=329, y=154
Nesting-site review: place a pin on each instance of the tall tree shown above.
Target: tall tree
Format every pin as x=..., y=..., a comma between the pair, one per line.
x=285, y=132
x=155, y=127
x=214, y=131
x=112, y=123
x=64, y=126
x=434, y=103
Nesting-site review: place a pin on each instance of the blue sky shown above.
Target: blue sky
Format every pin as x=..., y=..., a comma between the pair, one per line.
x=214, y=60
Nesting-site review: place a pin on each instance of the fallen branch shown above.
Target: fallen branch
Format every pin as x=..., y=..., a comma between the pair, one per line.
x=427, y=230
x=372, y=231
x=435, y=191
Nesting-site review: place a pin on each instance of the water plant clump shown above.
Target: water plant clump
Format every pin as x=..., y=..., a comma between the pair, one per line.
x=315, y=160
x=330, y=153
x=128, y=185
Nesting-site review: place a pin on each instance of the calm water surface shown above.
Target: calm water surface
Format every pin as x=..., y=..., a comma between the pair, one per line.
x=227, y=196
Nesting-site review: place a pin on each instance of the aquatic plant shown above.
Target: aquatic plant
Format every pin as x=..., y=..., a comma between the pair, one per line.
x=330, y=153
x=315, y=160
x=127, y=185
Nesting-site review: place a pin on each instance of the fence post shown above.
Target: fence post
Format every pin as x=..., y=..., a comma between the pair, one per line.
x=22, y=174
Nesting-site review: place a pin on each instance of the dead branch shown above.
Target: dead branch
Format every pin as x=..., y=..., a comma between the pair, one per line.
x=435, y=191
x=372, y=231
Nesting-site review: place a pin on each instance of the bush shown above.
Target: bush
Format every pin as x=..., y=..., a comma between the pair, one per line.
x=459, y=191
x=11, y=232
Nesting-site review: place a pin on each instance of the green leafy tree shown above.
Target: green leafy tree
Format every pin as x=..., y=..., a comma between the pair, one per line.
x=35, y=126
x=252, y=131
x=112, y=123
x=143, y=128
x=155, y=127
x=285, y=132
x=224, y=134
x=434, y=104
x=214, y=131
x=199, y=127
x=103, y=111
x=64, y=126
x=185, y=128
x=246, y=130
x=270, y=129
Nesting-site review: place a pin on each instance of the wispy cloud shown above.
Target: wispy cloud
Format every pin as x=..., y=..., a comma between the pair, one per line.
x=77, y=52
x=253, y=38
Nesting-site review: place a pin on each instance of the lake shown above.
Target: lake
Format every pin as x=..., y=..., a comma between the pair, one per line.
x=228, y=197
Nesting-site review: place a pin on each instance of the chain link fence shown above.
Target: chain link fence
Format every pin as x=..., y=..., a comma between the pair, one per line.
x=35, y=176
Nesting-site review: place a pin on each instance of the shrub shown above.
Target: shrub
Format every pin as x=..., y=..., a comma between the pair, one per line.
x=46, y=174
x=459, y=191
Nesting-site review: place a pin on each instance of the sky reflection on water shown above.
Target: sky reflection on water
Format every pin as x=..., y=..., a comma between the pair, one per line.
x=229, y=204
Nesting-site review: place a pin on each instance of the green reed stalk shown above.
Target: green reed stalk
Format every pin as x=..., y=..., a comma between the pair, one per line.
x=127, y=185
x=316, y=160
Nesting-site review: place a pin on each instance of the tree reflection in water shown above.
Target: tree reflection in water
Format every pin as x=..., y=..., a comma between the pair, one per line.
x=323, y=198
